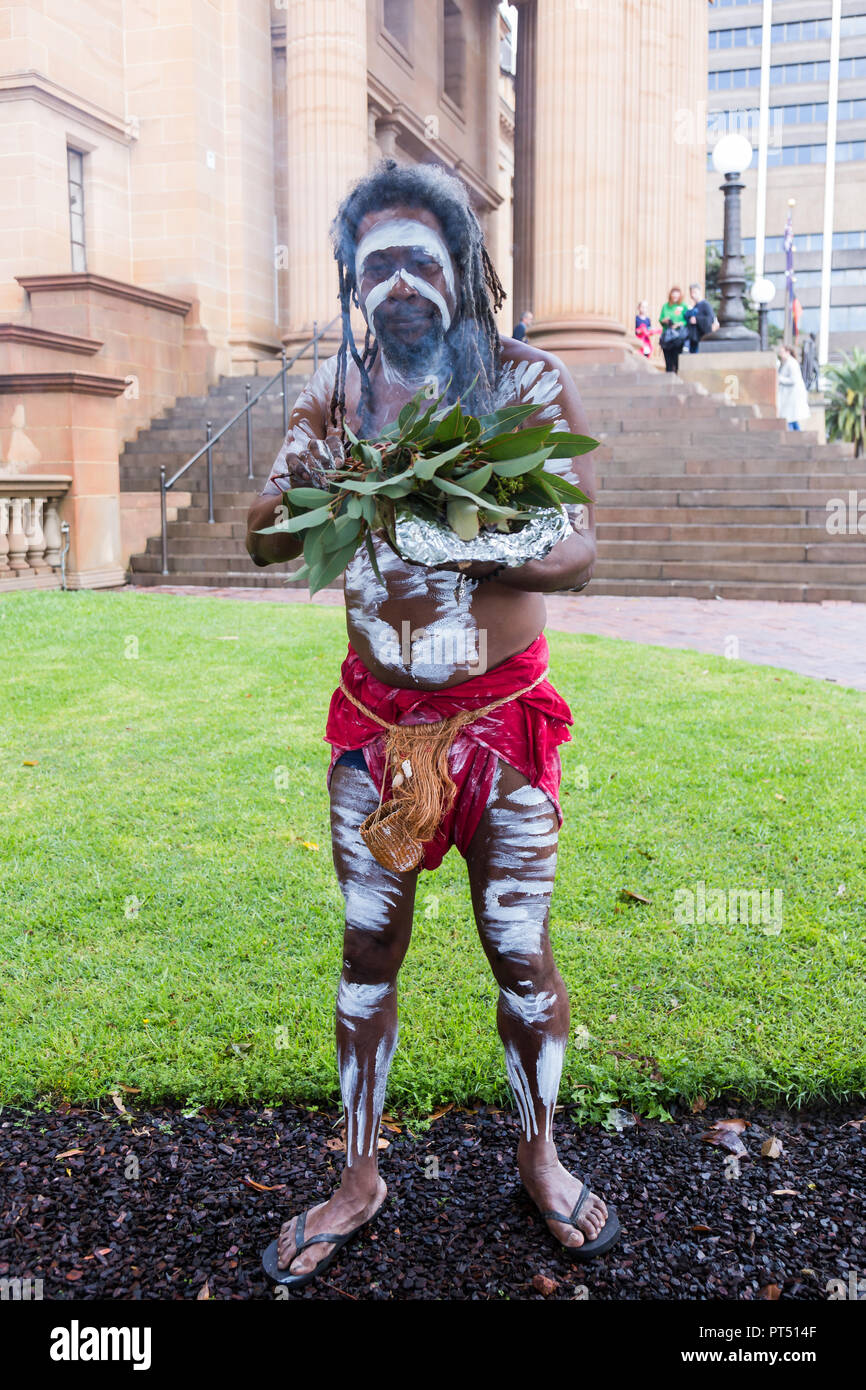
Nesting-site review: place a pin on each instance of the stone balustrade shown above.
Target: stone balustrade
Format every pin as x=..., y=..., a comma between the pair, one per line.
x=30, y=536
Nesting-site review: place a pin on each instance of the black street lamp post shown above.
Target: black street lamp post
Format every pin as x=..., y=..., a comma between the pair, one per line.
x=731, y=155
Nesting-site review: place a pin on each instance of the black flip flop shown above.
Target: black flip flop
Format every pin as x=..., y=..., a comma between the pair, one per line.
x=607, y=1236
x=297, y=1281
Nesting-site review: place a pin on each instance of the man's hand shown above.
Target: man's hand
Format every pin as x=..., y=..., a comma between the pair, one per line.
x=300, y=463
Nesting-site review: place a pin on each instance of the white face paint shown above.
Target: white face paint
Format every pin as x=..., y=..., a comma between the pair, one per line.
x=405, y=231
x=382, y=290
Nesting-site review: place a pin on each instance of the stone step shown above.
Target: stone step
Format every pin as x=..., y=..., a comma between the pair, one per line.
x=185, y=530
x=613, y=459
x=196, y=516
x=846, y=551
x=186, y=442
x=270, y=577
x=150, y=562
x=642, y=529
x=735, y=571
x=681, y=588
x=775, y=483
x=202, y=546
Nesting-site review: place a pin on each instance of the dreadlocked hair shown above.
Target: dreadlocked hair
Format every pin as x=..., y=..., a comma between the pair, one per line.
x=472, y=348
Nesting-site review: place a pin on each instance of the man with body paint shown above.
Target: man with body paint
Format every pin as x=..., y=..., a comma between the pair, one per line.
x=411, y=256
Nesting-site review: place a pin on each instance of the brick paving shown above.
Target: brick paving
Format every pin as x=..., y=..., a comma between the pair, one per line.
x=824, y=640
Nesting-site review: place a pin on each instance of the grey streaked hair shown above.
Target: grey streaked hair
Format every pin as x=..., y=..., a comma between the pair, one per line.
x=472, y=345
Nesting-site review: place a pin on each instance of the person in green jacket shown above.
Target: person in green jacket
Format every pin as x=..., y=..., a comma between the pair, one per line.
x=674, y=330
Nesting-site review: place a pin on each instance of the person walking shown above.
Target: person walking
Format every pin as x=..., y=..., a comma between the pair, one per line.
x=699, y=318
x=674, y=328
x=522, y=327
x=792, y=394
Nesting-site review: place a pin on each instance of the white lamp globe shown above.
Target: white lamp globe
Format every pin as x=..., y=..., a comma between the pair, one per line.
x=762, y=292
x=732, y=154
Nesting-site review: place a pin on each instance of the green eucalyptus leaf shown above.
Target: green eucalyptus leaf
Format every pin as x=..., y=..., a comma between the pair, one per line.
x=426, y=468
x=371, y=457
x=542, y=480
x=304, y=520
x=345, y=529
x=407, y=415
x=506, y=418
x=476, y=478
x=463, y=518
x=568, y=446
x=516, y=444
x=565, y=488
x=451, y=427
x=397, y=489
x=306, y=496
x=314, y=546
x=371, y=551
x=330, y=567
x=513, y=468
x=453, y=490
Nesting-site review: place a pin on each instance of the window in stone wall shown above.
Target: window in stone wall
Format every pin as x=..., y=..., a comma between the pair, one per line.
x=397, y=19
x=75, y=179
x=454, y=63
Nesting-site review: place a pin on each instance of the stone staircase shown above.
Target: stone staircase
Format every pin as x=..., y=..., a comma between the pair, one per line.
x=202, y=552
x=696, y=497
x=705, y=499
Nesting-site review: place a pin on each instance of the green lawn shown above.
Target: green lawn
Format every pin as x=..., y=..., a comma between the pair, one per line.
x=169, y=918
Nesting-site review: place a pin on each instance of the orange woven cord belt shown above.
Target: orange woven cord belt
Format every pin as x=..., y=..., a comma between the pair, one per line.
x=438, y=725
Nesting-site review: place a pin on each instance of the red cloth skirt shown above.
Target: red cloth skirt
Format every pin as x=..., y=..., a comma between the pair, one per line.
x=525, y=733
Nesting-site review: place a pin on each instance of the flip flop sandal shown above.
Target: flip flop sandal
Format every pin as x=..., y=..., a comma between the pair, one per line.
x=297, y=1281
x=607, y=1236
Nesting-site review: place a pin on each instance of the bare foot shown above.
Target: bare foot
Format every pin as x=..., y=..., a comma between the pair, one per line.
x=350, y=1206
x=553, y=1188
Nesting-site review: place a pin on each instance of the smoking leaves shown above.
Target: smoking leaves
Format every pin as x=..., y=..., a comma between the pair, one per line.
x=443, y=464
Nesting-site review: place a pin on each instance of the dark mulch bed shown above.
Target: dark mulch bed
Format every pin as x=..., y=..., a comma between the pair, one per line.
x=156, y=1206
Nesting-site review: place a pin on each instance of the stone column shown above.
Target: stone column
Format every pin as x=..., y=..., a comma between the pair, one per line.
x=614, y=185
x=524, y=160
x=582, y=207
x=326, y=146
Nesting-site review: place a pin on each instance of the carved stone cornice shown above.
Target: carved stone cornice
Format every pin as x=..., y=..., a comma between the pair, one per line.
x=82, y=383
x=47, y=338
x=412, y=127
x=33, y=85
x=84, y=279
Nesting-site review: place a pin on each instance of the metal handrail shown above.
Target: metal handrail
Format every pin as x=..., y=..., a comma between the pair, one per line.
x=246, y=409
